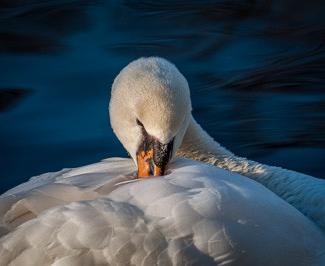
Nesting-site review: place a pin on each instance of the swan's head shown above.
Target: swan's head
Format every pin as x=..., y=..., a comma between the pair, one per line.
x=150, y=109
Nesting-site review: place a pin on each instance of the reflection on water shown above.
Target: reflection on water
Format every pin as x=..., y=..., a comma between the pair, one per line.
x=256, y=71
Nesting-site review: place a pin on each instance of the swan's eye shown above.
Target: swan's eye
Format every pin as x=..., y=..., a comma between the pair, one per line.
x=144, y=132
x=139, y=123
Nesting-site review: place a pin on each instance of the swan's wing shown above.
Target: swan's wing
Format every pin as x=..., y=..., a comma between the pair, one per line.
x=42, y=192
x=197, y=215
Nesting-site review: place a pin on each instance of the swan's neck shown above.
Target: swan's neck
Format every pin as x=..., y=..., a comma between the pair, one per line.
x=302, y=191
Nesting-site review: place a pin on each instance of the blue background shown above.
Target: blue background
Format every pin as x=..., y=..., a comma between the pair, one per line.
x=256, y=70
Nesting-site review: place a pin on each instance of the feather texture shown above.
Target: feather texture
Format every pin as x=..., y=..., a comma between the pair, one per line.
x=306, y=193
x=197, y=215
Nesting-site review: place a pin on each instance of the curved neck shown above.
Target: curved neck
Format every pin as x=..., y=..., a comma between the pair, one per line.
x=304, y=192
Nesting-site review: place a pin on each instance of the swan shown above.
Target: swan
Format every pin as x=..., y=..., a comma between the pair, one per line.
x=189, y=202
x=188, y=139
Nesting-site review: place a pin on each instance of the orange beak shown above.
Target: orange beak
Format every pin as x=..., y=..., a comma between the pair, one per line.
x=153, y=157
x=146, y=166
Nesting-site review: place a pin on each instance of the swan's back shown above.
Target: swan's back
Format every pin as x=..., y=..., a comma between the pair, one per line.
x=196, y=215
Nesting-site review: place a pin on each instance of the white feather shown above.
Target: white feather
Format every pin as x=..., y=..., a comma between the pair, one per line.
x=196, y=215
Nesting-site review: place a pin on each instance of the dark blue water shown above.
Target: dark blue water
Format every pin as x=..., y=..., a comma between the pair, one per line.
x=256, y=71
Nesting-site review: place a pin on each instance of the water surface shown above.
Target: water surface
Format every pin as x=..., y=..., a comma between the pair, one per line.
x=256, y=70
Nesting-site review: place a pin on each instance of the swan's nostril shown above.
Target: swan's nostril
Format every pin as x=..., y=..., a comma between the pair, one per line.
x=152, y=166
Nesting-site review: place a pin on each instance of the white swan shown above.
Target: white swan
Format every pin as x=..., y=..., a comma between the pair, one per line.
x=162, y=89
x=196, y=215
